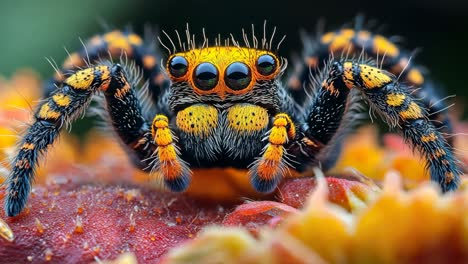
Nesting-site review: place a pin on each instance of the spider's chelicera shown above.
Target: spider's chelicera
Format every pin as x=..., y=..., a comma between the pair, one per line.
x=224, y=106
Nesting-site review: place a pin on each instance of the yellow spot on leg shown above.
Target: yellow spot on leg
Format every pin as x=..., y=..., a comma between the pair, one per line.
x=96, y=41
x=81, y=79
x=373, y=77
x=439, y=153
x=29, y=146
x=149, y=62
x=274, y=153
x=134, y=39
x=413, y=112
x=312, y=62
x=328, y=37
x=163, y=137
x=415, y=77
x=347, y=32
x=160, y=121
x=47, y=113
x=278, y=135
x=121, y=92
x=363, y=36
x=171, y=170
x=74, y=60
x=383, y=46
x=105, y=78
x=449, y=177
x=348, y=75
x=431, y=137
x=395, y=99
x=61, y=99
x=160, y=130
x=170, y=166
x=117, y=42
x=270, y=164
x=283, y=120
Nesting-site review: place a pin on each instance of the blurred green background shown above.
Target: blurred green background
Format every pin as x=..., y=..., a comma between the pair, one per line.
x=30, y=31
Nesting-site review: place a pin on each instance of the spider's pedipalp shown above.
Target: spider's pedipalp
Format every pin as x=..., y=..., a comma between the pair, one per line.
x=174, y=170
x=268, y=170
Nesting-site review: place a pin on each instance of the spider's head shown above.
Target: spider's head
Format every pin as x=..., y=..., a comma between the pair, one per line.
x=223, y=75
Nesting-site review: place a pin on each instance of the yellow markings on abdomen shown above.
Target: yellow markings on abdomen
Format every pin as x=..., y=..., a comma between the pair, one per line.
x=199, y=120
x=247, y=117
x=61, y=99
x=412, y=112
x=47, y=113
x=373, y=77
x=395, y=99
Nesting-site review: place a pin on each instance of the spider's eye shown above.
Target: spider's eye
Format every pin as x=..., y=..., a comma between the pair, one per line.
x=237, y=76
x=266, y=65
x=205, y=76
x=178, y=66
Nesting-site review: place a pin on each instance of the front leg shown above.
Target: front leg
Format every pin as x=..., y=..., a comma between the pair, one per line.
x=266, y=171
x=152, y=148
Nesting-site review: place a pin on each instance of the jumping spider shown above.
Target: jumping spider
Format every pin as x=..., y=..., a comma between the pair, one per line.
x=224, y=106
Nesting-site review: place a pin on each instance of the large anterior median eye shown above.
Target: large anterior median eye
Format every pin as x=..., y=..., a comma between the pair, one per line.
x=205, y=76
x=237, y=76
x=266, y=65
x=178, y=66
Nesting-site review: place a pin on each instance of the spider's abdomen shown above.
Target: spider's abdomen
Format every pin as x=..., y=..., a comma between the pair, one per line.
x=219, y=137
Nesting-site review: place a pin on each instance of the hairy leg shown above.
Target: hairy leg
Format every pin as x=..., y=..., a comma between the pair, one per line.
x=120, y=45
x=63, y=107
x=395, y=104
x=357, y=42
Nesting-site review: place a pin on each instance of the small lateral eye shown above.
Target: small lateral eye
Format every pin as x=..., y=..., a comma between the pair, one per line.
x=178, y=66
x=237, y=76
x=266, y=65
x=205, y=76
